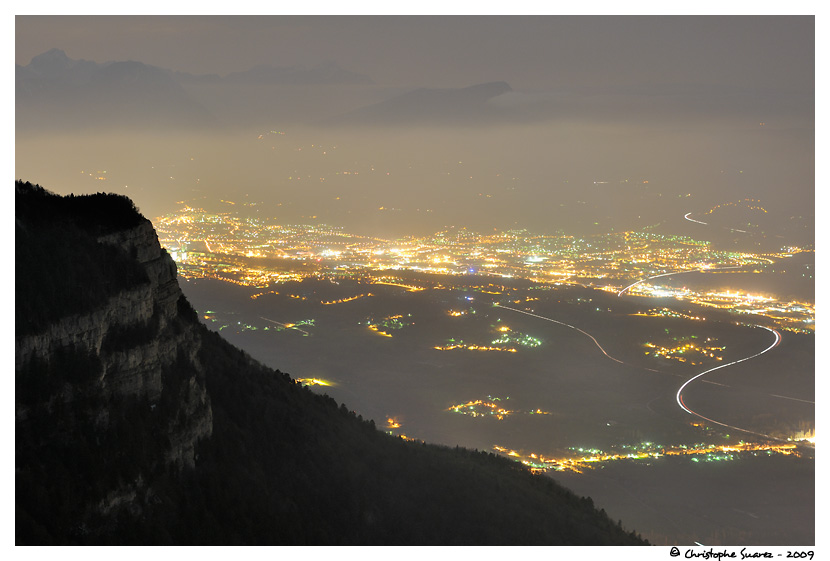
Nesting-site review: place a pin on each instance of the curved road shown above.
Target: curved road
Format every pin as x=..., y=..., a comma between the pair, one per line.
x=679, y=395
x=686, y=216
x=702, y=269
x=683, y=406
x=572, y=327
x=693, y=220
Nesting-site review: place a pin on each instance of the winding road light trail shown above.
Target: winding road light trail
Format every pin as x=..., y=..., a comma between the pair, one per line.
x=679, y=396
x=686, y=216
x=693, y=378
x=620, y=293
x=702, y=269
x=693, y=220
x=570, y=326
x=793, y=398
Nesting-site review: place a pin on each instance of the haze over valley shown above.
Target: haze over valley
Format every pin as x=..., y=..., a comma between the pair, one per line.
x=586, y=244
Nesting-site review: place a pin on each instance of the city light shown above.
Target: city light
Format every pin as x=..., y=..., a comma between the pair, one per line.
x=261, y=253
x=582, y=459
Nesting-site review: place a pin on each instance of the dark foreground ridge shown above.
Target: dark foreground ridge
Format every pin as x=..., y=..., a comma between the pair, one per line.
x=135, y=424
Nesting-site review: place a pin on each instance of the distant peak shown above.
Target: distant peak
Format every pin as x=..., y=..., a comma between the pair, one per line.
x=55, y=52
x=51, y=61
x=52, y=55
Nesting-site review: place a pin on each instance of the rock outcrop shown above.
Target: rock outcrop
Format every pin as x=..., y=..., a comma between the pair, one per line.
x=137, y=336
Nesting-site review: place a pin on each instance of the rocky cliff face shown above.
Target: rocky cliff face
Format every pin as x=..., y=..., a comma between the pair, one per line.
x=137, y=336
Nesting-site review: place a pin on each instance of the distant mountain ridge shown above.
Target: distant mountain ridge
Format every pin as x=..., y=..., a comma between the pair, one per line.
x=57, y=91
x=54, y=90
x=135, y=424
x=431, y=106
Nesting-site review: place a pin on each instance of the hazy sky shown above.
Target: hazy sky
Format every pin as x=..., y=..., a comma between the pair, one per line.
x=718, y=107
x=529, y=52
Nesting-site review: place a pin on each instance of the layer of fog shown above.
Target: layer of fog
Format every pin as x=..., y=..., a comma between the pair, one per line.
x=575, y=177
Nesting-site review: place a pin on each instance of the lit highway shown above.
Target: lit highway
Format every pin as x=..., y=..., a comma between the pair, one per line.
x=683, y=406
x=686, y=216
x=620, y=293
x=571, y=327
x=693, y=220
x=679, y=395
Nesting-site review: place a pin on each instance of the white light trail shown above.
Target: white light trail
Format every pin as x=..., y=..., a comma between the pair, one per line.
x=793, y=398
x=693, y=220
x=572, y=327
x=702, y=269
x=679, y=396
x=686, y=216
x=649, y=278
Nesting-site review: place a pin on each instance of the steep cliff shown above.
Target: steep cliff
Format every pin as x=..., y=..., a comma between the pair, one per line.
x=102, y=362
x=136, y=333
x=136, y=424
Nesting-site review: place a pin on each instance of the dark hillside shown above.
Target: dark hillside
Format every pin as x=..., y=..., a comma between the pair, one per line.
x=102, y=428
x=60, y=268
x=291, y=466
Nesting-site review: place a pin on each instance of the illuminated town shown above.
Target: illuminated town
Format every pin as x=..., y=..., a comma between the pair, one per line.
x=685, y=349
x=274, y=258
x=260, y=253
x=581, y=459
x=446, y=280
x=492, y=407
x=385, y=325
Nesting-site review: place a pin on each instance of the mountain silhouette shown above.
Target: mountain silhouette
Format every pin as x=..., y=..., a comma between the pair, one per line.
x=433, y=106
x=58, y=91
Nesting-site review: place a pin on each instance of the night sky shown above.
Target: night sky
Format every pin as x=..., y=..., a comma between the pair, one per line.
x=582, y=124
x=711, y=108
x=532, y=53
